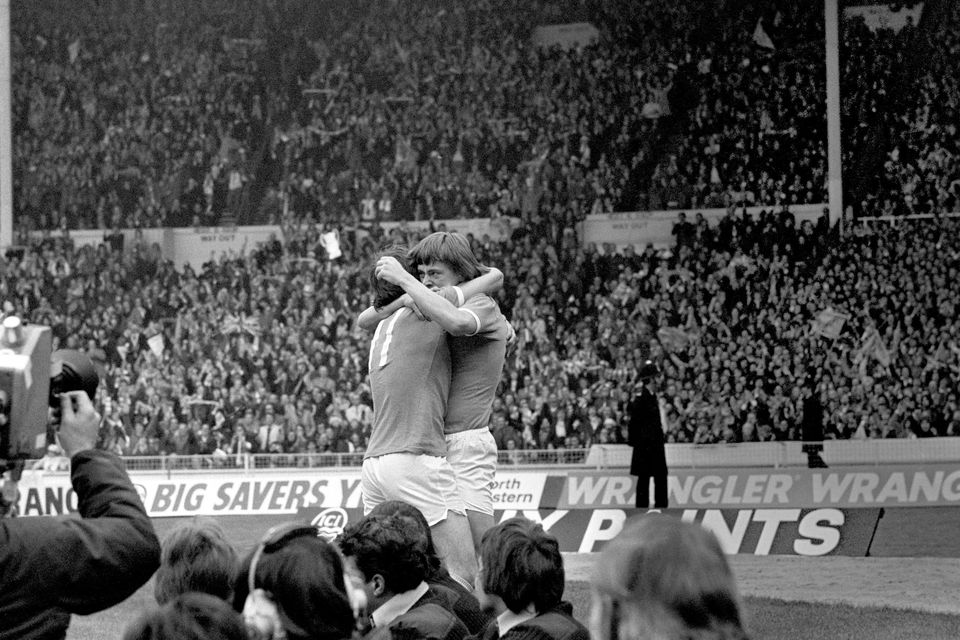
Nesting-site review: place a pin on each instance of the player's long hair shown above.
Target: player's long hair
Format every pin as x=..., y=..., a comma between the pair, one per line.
x=452, y=249
x=384, y=292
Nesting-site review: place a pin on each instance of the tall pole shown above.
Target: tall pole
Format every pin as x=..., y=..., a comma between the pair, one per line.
x=6, y=135
x=834, y=182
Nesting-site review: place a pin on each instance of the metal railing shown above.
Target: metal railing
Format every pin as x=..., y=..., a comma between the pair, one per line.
x=246, y=462
x=790, y=454
x=679, y=456
x=249, y=462
x=894, y=220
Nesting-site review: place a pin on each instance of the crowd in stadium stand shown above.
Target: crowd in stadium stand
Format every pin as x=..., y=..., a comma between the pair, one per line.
x=125, y=116
x=178, y=114
x=478, y=122
x=904, y=109
x=183, y=115
x=753, y=128
x=259, y=353
x=163, y=118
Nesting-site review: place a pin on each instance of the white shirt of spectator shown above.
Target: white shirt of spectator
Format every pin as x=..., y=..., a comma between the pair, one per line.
x=398, y=605
x=367, y=207
x=269, y=434
x=508, y=619
x=561, y=428
x=359, y=412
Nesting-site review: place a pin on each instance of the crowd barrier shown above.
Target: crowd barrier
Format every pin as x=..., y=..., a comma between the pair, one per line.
x=789, y=454
x=679, y=456
x=549, y=458
x=639, y=228
x=769, y=503
x=197, y=245
x=895, y=220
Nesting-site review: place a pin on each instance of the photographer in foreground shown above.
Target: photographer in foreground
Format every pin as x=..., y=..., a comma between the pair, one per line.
x=52, y=567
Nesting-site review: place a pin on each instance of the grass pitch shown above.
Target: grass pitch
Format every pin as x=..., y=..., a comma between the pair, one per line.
x=766, y=618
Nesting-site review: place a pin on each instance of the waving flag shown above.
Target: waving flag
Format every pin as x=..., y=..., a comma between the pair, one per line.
x=760, y=36
x=675, y=338
x=237, y=324
x=872, y=346
x=829, y=323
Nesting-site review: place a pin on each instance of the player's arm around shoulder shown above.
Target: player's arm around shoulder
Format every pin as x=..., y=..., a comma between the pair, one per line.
x=488, y=282
x=447, y=311
x=441, y=308
x=370, y=317
x=473, y=297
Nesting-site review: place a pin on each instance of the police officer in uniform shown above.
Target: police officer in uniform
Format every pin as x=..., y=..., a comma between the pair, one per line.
x=645, y=432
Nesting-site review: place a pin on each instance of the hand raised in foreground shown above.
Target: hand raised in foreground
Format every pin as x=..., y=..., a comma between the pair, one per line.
x=79, y=423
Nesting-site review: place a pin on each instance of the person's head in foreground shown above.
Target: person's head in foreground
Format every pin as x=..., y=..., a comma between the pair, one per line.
x=389, y=553
x=293, y=586
x=196, y=557
x=188, y=616
x=664, y=579
x=406, y=510
x=521, y=569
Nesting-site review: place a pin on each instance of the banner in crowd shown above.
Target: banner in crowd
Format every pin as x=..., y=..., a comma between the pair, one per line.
x=496, y=228
x=573, y=35
x=805, y=532
x=886, y=15
x=187, y=245
x=829, y=323
x=198, y=245
x=640, y=228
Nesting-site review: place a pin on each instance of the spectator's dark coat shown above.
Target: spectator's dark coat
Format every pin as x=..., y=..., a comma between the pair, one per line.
x=646, y=434
x=461, y=602
x=556, y=624
x=53, y=567
x=428, y=618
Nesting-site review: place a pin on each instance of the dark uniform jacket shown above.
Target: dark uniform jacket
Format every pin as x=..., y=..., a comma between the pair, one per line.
x=645, y=434
x=51, y=567
x=429, y=618
x=461, y=602
x=556, y=624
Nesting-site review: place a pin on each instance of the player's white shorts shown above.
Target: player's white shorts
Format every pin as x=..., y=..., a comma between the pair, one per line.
x=473, y=456
x=426, y=482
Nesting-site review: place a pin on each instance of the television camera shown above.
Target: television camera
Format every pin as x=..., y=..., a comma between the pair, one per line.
x=32, y=377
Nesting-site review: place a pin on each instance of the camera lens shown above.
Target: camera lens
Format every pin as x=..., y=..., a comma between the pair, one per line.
x=71, y=371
